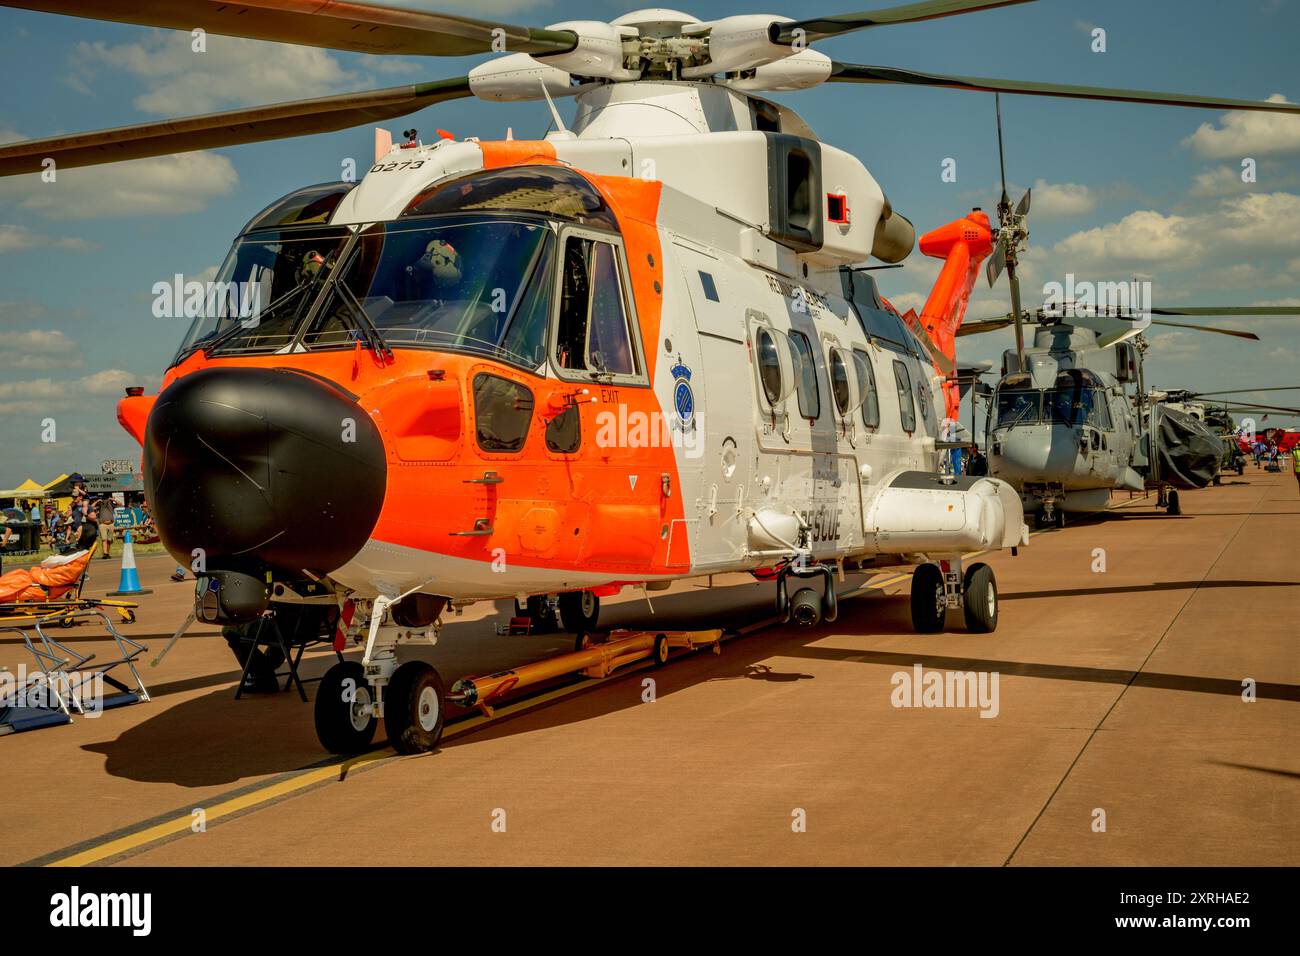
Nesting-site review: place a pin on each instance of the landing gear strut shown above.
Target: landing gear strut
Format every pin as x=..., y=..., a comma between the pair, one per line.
x=354, y=696
x=938, y=587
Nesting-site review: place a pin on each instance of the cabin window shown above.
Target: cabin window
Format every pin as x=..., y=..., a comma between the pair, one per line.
x=906, y=404
x=503, y=410
x=841, y=391
x=769, y=366
x=805, y=373
x=867, y=383
x=564, y=432
x=594, y=333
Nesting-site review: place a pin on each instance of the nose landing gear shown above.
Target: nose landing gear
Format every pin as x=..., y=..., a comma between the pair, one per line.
x=354, y=696
x=938, y=587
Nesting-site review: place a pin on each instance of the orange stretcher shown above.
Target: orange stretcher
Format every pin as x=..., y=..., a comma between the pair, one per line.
x=52, y=590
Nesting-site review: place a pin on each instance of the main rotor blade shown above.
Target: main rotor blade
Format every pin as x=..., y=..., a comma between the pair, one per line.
x=985, y=325
x=1207, y=328
x=1250, y=391
x=861, y=73
x=818, y=28
x=1231, y=310
x=229, y=128
x=335, y=24
x=1262, y=408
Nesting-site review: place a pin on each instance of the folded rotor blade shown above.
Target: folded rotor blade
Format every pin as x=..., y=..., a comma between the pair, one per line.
x=817, y=28
x=1207, y=328
x=985, y=325
x=337, y=25
x=860, y=73
x=1251, y=391
x=229, y=128
x=1022, y=207
x=997, y=262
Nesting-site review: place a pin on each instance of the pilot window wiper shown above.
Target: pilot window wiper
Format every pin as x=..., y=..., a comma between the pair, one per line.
x=239, y=325
x=365, y=325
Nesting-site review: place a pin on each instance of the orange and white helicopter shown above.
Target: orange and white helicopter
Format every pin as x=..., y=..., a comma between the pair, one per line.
x=640, y=349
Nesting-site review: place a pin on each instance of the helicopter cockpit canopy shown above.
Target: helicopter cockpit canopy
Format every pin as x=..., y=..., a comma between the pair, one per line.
x=476, y=264
x=1078, y=397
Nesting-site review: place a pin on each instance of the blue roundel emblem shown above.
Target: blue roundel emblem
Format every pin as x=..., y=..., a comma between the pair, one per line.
x=683, y=396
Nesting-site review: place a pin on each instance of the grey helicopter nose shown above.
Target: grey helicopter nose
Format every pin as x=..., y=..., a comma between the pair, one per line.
x=1035, y=452
x=262, y=469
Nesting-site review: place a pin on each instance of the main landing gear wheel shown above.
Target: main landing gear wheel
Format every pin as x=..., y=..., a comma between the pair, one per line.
x=980, y=600
x=1173, y=508
x=1059, y=520
x=579, y=611
x=413, y=708
x=929, y=604
x=345, y=721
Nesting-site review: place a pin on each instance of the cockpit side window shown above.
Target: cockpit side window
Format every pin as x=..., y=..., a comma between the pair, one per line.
x=594, y=332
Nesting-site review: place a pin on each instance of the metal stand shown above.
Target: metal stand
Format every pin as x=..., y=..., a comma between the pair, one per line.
x=258, y=639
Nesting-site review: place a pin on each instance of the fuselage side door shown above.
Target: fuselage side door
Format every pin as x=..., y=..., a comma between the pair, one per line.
x=718, y=450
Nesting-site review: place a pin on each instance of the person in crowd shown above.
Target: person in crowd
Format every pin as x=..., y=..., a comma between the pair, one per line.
x=105, y=509
x=76, y=517
x=979, y=465
x=1295, y=460
x=87, y=533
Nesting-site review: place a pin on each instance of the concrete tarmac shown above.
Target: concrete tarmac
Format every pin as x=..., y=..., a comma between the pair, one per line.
x=1118, y=728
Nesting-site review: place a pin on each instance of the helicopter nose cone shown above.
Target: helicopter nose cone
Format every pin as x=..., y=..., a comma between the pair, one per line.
x=1036, y=453
x=262, y=468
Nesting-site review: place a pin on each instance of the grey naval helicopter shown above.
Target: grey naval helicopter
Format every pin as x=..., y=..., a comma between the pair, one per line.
x=1062, y=427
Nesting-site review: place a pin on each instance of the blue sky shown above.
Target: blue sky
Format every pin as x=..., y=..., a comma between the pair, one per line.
x=1120, y=190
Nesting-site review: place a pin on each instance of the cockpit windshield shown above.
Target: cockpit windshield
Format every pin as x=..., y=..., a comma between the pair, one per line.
x=262, y=291
x=1076, y=399
x=458, y=284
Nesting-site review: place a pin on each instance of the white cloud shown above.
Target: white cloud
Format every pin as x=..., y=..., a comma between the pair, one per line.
x=38, y=349
x=1061, y=200
x=161, y=186
x=1242, y=133
x=46, y=396
x=15, y=238
x=232, y=72
x=1239, y=225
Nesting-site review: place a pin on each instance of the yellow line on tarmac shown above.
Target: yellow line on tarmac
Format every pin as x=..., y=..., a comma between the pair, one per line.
x=243, y=802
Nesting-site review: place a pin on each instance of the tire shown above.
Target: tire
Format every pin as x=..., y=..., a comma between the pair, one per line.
x=1217, y=480
x=261, y=672
x=1060, y=518
x=928, y=599
x=579, y=611
x=659, y=653
x=980, y=599
x=1174, y=507
x=1241, y=468
x=339, y=727
x=413, y=708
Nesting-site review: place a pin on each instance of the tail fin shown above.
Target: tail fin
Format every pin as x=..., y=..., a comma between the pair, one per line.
x=963, y=244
